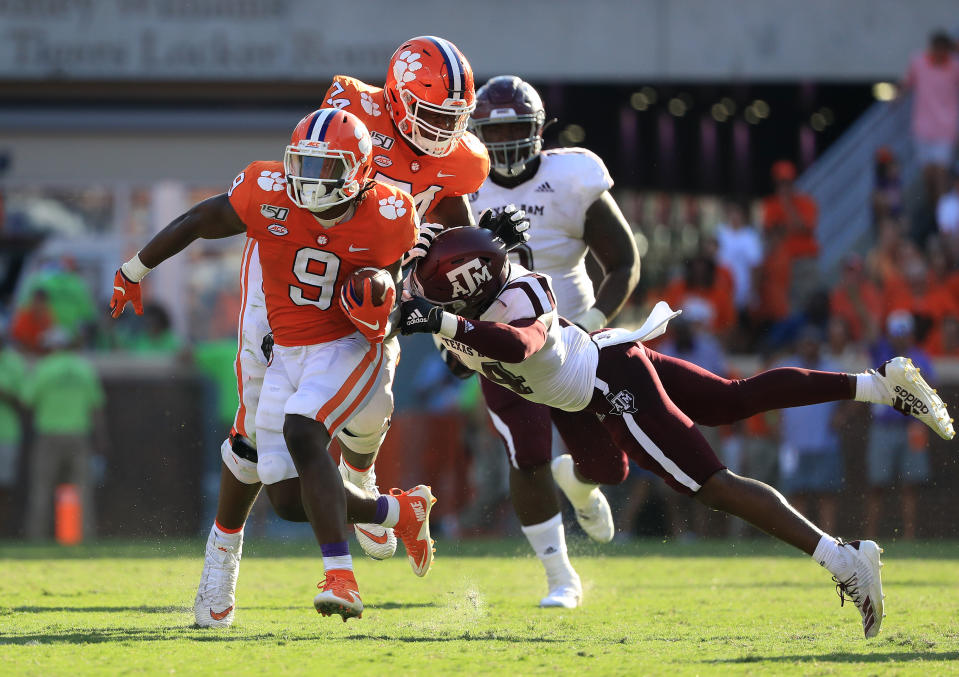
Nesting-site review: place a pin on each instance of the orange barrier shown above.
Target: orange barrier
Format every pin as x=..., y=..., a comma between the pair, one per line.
x=68, y=515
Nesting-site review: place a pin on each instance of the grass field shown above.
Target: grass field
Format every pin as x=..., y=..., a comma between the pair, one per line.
x=651, y=608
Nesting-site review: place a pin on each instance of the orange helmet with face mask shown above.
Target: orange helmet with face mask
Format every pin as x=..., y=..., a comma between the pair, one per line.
x=430, y=94
x=328, y=160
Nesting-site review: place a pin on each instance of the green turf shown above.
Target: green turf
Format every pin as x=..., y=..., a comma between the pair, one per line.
x=651, y=608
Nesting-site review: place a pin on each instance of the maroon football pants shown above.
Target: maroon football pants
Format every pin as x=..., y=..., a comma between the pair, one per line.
x=527, y=433
x=673, y=388
x=650, y=403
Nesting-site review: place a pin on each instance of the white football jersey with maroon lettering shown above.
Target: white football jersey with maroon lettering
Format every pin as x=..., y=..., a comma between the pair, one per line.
x=555, y=199
x=562, y=372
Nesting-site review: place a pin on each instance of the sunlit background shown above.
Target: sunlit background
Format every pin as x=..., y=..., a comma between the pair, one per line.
x=117, y=115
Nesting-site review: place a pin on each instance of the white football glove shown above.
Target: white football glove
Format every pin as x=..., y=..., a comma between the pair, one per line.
x=428, y=231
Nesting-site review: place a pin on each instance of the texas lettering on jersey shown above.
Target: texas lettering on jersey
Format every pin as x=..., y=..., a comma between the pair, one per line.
x=305, y=263
x=428, y=179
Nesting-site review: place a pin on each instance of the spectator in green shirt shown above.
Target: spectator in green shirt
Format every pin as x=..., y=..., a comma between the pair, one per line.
x=12, y=376
x=66, y=398
x=153, y=334
x=70, y=298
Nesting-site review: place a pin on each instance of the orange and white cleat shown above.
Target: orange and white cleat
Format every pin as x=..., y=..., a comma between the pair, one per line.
x=413, y=527
x=339, y=594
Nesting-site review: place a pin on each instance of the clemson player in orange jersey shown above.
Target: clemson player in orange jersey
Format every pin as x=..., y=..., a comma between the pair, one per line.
x=325, y=220
x=418, y=122
x=420, y=145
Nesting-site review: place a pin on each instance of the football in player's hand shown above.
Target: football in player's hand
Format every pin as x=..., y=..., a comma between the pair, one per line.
x=380, y=280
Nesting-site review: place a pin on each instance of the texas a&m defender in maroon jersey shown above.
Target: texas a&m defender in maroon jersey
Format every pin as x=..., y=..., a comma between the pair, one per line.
x=507, y=326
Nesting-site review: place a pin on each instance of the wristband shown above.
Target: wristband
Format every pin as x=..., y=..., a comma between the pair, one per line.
x=448, y=325
x=591, y=320
x=134, y=270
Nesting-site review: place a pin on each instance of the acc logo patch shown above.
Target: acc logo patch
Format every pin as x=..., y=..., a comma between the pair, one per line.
x=382, y=140
x=382, y=160
x=274, y=213
x=277, y=229
x=322, y=239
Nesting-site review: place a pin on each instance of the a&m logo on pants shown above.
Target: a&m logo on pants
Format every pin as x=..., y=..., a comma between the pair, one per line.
x=621, y=402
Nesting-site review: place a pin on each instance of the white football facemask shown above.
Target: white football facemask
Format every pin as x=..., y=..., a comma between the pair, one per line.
x=318, y=177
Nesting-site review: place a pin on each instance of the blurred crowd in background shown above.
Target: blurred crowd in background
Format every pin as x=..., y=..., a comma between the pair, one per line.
x=744, y=269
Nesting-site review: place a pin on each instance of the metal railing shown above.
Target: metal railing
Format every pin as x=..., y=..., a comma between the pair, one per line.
x=843, y=178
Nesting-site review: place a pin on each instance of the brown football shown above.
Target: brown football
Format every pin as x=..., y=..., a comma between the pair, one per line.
x=379, y=278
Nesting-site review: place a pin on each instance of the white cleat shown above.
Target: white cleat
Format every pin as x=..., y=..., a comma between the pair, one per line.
x=565, y=593
x=864, y=585
x=216, y=596
x=593, y=514
x=908, y=392
x=377, y=541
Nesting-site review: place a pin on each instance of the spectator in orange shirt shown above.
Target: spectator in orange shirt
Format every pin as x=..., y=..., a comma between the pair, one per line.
x=886, y=260
x=942, y=271
x=928, y=305
x=31, y=322
x=771, y=303
x=944, y=341
x=703, y=278
x=794, y=212
x=796, y=215
x=856, y=300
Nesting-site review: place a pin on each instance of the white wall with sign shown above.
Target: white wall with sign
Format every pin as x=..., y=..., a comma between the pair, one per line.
x=607, y=40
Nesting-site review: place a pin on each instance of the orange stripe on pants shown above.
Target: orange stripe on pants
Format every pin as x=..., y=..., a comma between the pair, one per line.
x=347, y=387
x=238, y=424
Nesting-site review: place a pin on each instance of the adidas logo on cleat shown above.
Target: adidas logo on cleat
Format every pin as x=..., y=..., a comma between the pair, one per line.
x=544, y=188
x=419, y=512
x=908, y=403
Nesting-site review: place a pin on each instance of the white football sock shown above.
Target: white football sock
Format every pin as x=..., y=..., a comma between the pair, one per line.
x=338, y=562
x=834, y=557
x=354, y=475
x=392, y=511
x=868, y=388
x=549, y=543
x=218, y=537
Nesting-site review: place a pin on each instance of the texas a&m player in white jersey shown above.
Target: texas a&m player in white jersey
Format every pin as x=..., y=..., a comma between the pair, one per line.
x=498, y=318
x=565, y=194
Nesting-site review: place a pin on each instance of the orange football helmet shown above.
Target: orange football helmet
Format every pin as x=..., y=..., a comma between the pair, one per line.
x=328, y=160
x=430, y=93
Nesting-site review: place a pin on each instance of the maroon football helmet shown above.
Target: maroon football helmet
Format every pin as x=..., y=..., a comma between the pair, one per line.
x=463, y=271
x=509, y=119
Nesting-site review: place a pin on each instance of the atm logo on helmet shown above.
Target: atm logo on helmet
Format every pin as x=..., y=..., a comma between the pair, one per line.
x=467, y=277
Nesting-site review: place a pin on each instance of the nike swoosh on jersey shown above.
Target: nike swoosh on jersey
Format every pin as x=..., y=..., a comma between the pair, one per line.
x=220, y=615
x=441, y=175
x=120, y=289
x=359, y=249
x=376, y=539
